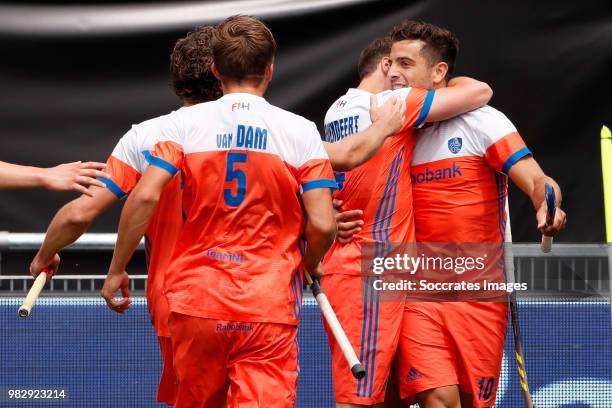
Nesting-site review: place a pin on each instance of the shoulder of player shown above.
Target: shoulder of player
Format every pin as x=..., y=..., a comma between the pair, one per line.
x=485, y=115
x=294, y=120
x=144, y=135
x=155, y=123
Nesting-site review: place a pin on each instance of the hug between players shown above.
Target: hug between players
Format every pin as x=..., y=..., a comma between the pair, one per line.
x=237, y=199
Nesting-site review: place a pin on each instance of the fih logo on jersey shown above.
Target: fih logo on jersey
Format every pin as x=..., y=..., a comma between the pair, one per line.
x=454, y=144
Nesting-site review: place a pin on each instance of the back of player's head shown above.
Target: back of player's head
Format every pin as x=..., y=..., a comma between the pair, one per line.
x=190, y=66
x=243, y=48
x=371, y=56
x=441, y=45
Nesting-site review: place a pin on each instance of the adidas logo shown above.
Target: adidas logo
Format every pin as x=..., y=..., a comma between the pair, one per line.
x=413, y=375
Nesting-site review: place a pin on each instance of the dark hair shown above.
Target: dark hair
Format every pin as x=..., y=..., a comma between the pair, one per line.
x=371, y=56
x=190, y=67
x=243, y=47
x=441, y=45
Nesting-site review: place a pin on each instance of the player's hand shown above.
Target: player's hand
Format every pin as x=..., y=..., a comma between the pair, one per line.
x=349, y=222
x=550, y=229
x=391, y=114
x=315, y=272
x=74, y=176
x=115, y=281
x=51, y=267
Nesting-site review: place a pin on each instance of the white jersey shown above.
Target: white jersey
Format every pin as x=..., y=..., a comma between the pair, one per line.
x=244, y=163
x=458, y=177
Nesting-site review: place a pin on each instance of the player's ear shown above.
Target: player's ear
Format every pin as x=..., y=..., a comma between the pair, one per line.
x=438, y=72
x=215, y=71
x=385, y=64
x=269, y=72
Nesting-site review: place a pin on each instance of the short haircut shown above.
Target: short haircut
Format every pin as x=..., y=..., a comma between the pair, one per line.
x=190, y=67
x=441, y=45
x=243, y=48
x=371, y=56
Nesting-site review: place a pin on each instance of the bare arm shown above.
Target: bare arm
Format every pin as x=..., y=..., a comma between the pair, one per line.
x=135, y=217
x=462, y=95
x=70, y=176
x=529, y=177
x=70, y=222
x=358, y=148
x=320, y=227
x=136, y=214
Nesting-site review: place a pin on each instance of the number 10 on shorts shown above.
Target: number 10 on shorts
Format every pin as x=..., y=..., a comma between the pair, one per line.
x=486, y=385
x=232, y=173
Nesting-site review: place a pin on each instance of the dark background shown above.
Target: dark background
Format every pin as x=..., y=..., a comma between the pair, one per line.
x=71, y=97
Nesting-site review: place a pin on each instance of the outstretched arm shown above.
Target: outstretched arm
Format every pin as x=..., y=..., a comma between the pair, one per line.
x=358, y=148
x=70, y=222
x=69, y=176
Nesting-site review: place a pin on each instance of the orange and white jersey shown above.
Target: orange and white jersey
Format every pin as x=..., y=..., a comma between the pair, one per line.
x=244, y=164
x=381, y=186
x=459, y=177
x=125, y=165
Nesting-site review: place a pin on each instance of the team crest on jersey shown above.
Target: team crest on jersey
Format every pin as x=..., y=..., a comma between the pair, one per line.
x=454, y=145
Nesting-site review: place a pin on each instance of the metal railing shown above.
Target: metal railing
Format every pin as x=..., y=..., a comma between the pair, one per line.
x=580, y=269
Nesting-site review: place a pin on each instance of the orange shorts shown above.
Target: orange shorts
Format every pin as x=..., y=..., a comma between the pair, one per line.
x=452, y=343
x=245, y=364
x=168, y=383
x=373, y=328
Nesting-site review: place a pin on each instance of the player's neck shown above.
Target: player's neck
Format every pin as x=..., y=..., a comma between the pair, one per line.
x=441, y=84
x=372, y=84
x=245, y=87
x=188, y=102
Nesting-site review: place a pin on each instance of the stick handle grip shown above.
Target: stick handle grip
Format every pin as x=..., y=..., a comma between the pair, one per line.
x=28, y=303
x=546, y=244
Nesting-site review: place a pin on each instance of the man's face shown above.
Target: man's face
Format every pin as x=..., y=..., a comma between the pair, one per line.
x=408, y=66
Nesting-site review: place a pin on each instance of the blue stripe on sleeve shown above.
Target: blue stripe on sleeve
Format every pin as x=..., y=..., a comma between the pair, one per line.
x=516, y=156
x=311, y=185
x=425, y=109
x=113, y=187
x=161, y=163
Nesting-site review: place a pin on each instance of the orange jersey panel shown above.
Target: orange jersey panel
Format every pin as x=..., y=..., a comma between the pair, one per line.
x=459, y=200
x=459, y=177
x=244, y=164
x=381, y=187
x=240, y=238
x=160, y=237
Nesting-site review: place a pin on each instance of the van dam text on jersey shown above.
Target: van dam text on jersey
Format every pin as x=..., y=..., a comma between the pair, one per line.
x=246, y=137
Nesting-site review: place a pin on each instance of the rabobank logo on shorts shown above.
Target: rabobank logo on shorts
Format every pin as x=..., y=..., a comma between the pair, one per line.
x=427, y=176
x=454, y=144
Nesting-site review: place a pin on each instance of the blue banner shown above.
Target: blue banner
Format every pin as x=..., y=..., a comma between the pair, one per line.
x=101, y=359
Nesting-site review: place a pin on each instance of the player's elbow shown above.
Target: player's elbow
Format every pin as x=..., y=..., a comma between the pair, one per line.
x=324, y=226
x=78, y=216
x=482, y=92
x=348, y=163
x=145, y=198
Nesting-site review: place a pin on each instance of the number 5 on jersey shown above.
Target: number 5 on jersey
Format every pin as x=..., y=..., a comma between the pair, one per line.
x=234, y=173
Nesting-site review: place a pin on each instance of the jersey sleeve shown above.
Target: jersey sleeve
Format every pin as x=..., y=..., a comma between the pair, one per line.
x=503, y=145
x=418, y=103
x=314, y=168
x=165, y=147
x=123, y=166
